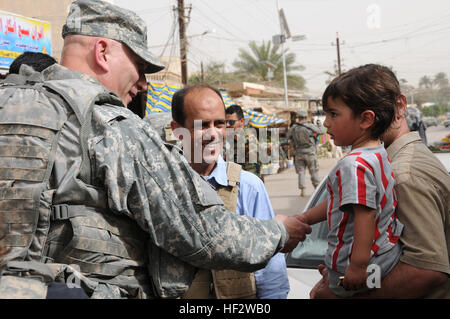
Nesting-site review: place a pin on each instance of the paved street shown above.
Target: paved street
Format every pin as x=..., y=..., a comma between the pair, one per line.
x=283, y=188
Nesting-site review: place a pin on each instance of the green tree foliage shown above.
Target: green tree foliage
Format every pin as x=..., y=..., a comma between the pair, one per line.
x=214, y=74
x=252, y=64
x=435, y=110
x=435, y=90
x=441, y=80
x=425, y=82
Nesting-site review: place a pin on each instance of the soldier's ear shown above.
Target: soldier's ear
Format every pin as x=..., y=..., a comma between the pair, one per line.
x=101, y=54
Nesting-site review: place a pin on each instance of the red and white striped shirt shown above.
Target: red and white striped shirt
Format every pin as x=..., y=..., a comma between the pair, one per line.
x=362, y=177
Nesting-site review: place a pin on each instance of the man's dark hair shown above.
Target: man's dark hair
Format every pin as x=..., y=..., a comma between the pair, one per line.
x=235, y=109
x=38, y=61
x=369, y=87
x=178, y=100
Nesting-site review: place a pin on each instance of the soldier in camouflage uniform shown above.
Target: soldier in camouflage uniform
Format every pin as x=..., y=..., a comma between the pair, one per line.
x=241, y=142
x=302, y=137
x=91, y=194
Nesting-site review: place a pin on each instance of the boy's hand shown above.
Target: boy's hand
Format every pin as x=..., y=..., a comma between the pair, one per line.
x=303, y=218
x=355, y=277
x=296, y=229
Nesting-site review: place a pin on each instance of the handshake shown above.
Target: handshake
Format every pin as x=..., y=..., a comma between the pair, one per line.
x=297, y=228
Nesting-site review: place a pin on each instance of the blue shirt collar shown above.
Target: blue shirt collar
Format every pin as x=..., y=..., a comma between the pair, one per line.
x=219, y=174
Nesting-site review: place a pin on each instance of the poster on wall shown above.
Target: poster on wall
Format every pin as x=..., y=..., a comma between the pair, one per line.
x=19, y=34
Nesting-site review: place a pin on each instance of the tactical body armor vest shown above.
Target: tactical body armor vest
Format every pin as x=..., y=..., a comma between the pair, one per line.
x=227, y=284
x=303, y=136
x=42, y=234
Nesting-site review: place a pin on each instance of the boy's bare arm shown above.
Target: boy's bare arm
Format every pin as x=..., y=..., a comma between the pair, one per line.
x=316, y=214
x=363, y=232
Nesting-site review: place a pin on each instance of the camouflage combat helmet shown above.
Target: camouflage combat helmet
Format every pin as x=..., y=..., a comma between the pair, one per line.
x=302, y=113
x=103, y=19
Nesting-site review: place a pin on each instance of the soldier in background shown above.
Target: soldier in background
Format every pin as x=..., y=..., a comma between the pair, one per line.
x=302, y=137
x=92, y=192
x=242, y=142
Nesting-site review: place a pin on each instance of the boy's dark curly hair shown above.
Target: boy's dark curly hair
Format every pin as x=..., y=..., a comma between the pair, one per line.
x=369, y=87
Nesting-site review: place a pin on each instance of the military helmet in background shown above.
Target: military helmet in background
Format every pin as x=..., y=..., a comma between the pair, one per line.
x=302, y=113
x=161, y=123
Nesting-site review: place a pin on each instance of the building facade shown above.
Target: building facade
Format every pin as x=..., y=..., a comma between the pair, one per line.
x=53, y=11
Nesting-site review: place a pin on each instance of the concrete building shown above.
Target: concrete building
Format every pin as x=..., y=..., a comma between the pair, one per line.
x=171, y=74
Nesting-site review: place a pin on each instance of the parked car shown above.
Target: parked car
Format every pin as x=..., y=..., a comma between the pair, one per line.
x=430, y=121
x=415, y=123
x=447, y=121
x=303, y=261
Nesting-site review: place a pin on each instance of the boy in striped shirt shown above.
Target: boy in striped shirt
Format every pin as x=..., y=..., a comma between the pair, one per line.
x=360, y=208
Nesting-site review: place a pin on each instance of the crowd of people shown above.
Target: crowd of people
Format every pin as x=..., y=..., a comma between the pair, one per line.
x=99, y=203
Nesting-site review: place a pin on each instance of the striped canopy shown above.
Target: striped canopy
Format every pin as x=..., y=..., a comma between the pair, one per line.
x=159, y=96
x=260, y=120
x=159, y=99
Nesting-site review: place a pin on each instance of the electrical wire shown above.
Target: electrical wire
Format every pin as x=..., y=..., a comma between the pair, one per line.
x=217, y=24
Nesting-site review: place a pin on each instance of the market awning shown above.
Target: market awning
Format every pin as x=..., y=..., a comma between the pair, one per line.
x=159, y=99
x=159, y=96
x=260, y=120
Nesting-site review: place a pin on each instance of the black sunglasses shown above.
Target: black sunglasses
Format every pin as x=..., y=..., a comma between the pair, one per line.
x=231, y=122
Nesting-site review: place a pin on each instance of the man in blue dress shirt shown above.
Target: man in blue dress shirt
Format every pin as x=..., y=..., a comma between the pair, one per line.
x=198, y=114
x=272, y=281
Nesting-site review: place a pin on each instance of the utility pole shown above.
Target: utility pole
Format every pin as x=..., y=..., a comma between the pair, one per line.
x=338, y=54
x=280, y=39
x=183, y=41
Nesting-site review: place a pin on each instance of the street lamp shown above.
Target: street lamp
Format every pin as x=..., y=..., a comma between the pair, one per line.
x=281, y=39
x=201, y=34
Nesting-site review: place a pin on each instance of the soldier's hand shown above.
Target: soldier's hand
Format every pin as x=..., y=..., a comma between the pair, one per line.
x=297, y=230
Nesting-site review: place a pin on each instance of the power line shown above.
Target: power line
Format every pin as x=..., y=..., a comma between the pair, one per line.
x=171, y=34
x=183, y=41
x=222, y=17
x=402, y=38
x=270, y=16
x=217, y=24
x=157, y=20
x=253, y=16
